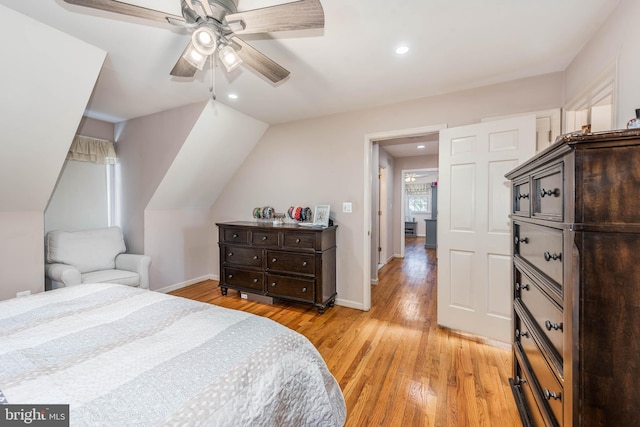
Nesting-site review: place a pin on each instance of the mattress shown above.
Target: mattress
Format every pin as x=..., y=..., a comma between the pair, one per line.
x=121, y=356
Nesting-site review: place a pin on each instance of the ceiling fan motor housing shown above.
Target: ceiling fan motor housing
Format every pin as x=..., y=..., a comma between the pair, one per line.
x=219, y=9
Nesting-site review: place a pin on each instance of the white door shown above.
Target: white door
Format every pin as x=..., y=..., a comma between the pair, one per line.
x=474, y=244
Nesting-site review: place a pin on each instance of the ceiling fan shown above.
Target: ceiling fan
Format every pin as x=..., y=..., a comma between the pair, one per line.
x=215, y=26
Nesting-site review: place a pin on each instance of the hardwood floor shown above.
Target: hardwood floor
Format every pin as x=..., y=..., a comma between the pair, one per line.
x=395, y=365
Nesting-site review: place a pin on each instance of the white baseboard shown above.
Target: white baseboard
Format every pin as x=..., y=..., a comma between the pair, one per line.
x=349, y=304
x=374, y=281
x=189, y=282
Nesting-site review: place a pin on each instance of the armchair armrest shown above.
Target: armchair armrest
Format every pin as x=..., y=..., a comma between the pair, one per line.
x=137, y=263
x=66, y=275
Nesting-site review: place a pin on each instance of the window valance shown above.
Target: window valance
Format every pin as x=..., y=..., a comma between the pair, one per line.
x=94, y=150
x=415, y=189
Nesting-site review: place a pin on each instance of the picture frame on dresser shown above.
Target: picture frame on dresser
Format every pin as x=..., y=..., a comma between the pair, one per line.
x=321, y=215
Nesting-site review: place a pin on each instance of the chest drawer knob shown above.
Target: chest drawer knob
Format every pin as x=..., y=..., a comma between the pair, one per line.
x=550, y=326
x=230, y=254
x=520, y=287
x=230, y=276
x=274, y=260
x=523, y=196
x=518, y=240
x=235, y=236
x=255, y=257
x=548, y=256
x=551, y=394
x=297, y=240
x=554, y=192
x=264, y=237
x=255, y=280
x=520, y=333
x=520, y=380
x=304, y=289
x=304, y=263
x=273, y=284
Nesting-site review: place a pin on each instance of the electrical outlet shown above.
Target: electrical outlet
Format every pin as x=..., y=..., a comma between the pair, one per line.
x=23, y=294
x=243, y=295
x=347, y=207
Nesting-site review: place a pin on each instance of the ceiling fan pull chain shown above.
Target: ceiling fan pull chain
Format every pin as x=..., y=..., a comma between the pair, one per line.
x=212, y=83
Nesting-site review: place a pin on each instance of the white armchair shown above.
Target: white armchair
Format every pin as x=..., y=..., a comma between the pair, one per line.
x=92, y=256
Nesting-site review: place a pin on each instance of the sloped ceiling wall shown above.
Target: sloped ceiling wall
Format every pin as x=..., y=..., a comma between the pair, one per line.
x=216, y=147
x=46, y=79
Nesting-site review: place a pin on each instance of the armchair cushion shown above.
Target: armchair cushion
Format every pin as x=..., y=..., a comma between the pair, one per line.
x=87, y=250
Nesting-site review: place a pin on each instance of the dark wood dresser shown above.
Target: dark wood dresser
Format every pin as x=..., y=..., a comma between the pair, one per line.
x=281, y=261
x=576, y=282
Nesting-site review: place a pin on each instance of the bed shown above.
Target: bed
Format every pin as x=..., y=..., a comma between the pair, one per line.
x=123, y=356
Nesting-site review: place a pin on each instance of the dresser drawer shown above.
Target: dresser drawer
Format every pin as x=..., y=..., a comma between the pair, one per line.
x=544, y=311
x=548, y=389
x=230, y=235
x=243, y=278
x=541, y=247
x=264, y=238
x=547, y=193
x=524, y=382
x=291, y=262
x=298, y=240
x=521, y=197
x=290, y=287
x=242, y=255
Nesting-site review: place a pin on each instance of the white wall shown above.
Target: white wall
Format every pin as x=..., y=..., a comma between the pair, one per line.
x=615, y=43
x=46, y=80
x=322, y=161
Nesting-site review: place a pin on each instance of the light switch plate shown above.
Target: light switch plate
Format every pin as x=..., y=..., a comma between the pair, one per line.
x=346, y=207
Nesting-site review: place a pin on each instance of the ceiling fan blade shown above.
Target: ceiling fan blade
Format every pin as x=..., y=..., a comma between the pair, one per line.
x=298, y=15
x=127, y=9
x=182, y=67
x=259, y=62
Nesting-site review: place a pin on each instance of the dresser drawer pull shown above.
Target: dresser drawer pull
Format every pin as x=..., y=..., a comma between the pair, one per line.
x=274, y=260
x=518, y=240
x=551, y=394
x=304, y=263
x=235, y=236
x=255, y=280
x=554, y=192
x=230, y=254
x=548, y=256
x=230, y=276
x=521, y=334
x=304, y=289
x=523, y=196
x=297, y=240
x=520, y=287
x=273, y=285
x=550, y=326
x=520, y=380
x=264, y=237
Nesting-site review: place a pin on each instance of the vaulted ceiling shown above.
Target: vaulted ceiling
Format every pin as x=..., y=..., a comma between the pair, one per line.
x=349, y=65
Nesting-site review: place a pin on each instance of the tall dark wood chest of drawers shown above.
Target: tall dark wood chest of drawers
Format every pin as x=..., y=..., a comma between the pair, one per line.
x=280, y=261
x=576, y=282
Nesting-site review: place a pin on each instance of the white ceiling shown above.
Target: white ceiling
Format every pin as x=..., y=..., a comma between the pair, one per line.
x=350, y=65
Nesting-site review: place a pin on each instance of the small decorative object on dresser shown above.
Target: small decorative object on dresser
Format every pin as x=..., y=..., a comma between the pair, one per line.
x=576, y=282
x=283, y=262
x=635, y=122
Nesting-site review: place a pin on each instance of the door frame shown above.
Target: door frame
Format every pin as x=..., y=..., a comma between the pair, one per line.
x=368, y=185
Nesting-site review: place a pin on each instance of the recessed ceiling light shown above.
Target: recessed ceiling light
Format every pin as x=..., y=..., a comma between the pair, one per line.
x=402, y=50
x=233, y=96
x=420, y=147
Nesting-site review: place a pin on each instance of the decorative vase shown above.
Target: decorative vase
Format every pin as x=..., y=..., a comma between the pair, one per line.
x=634, y=123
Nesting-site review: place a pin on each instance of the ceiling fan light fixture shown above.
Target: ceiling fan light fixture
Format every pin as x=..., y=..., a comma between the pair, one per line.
x=204, y=40
x=194, y=57
x=229, y=58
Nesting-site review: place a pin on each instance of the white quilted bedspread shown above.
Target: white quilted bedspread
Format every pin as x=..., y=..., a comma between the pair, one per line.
x=122, y=356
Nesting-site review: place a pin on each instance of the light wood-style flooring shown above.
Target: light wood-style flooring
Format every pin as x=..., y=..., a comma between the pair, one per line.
x=395, y=365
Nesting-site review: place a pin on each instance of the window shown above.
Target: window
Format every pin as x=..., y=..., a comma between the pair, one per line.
x=418, y=199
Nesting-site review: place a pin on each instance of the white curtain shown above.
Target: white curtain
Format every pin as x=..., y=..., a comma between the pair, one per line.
x=415, y=189
x=94, y=150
